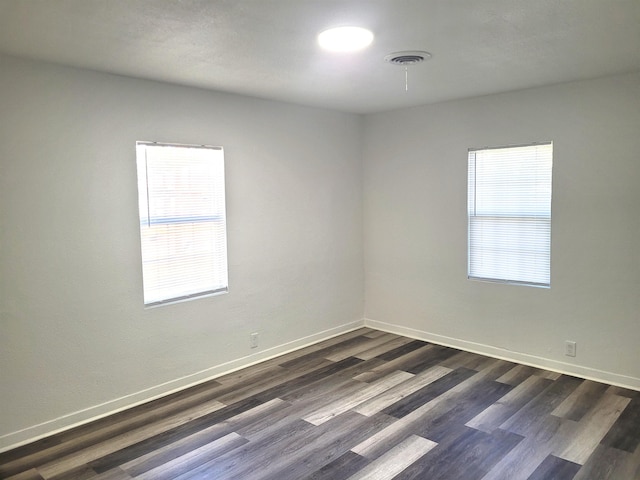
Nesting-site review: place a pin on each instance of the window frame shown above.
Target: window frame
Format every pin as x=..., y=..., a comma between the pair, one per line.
x=531, y=260
x=187, y=228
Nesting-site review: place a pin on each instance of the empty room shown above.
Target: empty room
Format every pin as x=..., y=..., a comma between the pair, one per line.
x=320, y=239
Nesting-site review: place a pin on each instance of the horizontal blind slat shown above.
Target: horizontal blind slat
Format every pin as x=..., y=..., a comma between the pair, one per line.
x=509, y=214
x=182, y=220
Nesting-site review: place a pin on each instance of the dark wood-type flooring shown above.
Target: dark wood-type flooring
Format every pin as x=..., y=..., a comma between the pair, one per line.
x=365, y=405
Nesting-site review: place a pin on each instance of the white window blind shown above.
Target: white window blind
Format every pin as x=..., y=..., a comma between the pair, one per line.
x=182, y=221
x=509, y=212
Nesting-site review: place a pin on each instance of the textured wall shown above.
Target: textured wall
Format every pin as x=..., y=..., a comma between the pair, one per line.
x=74, y=331
x=415, y=180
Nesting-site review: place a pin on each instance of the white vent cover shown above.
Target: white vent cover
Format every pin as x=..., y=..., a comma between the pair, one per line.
x=407, y=57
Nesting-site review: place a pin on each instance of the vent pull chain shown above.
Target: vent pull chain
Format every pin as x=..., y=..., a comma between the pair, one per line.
x=406, y=78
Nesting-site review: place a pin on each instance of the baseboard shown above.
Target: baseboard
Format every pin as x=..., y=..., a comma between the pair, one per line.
x=503, y=354
x=71, y=420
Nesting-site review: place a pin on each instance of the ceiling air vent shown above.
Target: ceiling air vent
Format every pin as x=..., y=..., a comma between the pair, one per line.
x=407, y=58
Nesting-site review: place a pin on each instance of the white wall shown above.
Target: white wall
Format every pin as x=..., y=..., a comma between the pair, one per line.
x=415, y=176
x=74, y=333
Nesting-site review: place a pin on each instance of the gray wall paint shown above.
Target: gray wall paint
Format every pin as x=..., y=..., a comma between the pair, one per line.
x=416, y=233
x=74, y=330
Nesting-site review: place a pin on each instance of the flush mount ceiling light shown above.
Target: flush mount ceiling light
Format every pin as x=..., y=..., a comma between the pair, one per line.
x=345, y=39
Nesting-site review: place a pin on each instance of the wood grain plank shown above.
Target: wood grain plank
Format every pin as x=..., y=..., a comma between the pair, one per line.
x=526, y=420
x=554, y=468
x=593, y=428
x=607, y=463
x=496, y=414
x=550, y=433
x=31, y=474
x=395, y=460
x=465, y=454
x=341, y=405
x=429, y=392
x=162, y=455
x=398, y=363
x=625, y=432
x=391, y=344
x=397, y=393
x=86, y=455
x=172, y=435
x=103, y=431
x=402, y=350
x=341, y=468
x=194, y=458
x=580, y=400
x=517, y=375
x=360, y=349
x=115, y=474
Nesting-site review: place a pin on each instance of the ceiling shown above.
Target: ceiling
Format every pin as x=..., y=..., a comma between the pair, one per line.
x=268, y=49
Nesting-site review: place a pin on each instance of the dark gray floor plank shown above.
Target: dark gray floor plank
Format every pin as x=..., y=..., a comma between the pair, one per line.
x=340, y=468
x=554, y=468
x=428, y=393
x=624, y=434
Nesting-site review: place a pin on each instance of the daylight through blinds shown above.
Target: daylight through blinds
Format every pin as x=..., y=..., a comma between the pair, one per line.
x=182, y=221
x=509, y=213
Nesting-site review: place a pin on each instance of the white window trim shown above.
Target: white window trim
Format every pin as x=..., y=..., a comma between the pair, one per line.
x=495, y=250
x=175, y=216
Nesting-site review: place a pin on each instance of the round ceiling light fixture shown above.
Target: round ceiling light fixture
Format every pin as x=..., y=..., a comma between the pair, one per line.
x=345, y=39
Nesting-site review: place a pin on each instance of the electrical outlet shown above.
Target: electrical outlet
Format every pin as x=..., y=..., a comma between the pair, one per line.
x=253, y=340
x=570, y=348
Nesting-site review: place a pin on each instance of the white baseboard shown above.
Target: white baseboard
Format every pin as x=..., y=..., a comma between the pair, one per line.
x=80, y=417
x=503, y=354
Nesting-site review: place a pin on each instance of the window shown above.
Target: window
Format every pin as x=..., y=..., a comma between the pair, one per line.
x=509, y=212
x=182, y=221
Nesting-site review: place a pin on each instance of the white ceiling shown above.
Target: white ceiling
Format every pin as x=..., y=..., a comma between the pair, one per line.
x=267, y=48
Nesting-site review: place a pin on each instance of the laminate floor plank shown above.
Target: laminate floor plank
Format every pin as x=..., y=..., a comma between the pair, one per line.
x=436, y=355
x=94, y=452
x=580, y=401
x=397, y=363
x=348, y=402
x=335, y=442
x=466, y=454
x=550, y=433
x=623, y=434
x=461, y=409
x=31, y=474
x=526, y=419
x=402, y=350
x=497, y=413
x=194, y=458
x=130, y=451
x=554, y=468
x=143, y=463
x=517, y=375
x=593, y=428
x=341, y=468
x=391, y=343
x=398, y=392
x=394, y=461
x=366, y=404
x=427, y=393
x=299, y=381
x=121, y=424
x=359, y=350
x=607, y=463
